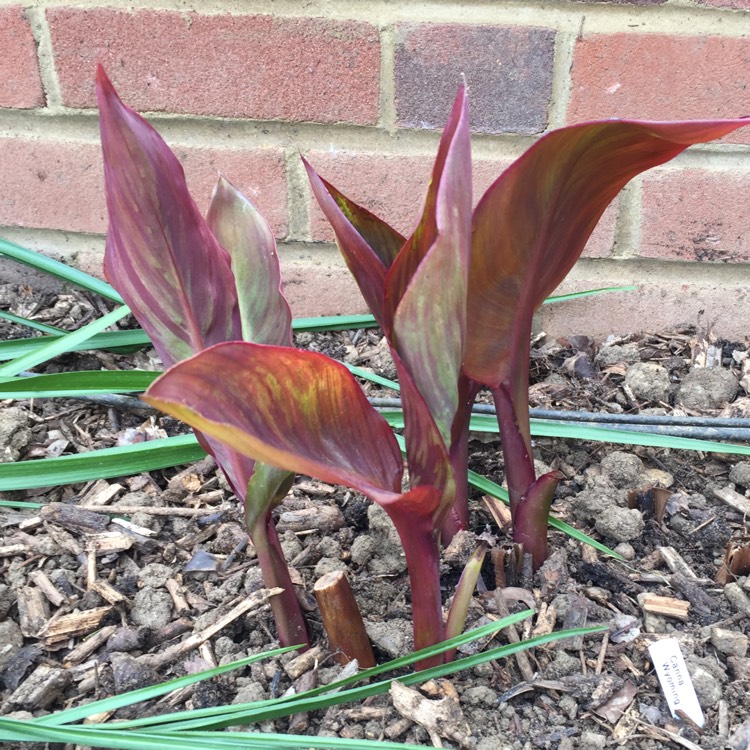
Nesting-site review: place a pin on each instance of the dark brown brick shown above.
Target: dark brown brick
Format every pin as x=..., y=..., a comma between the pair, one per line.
x=508, y=72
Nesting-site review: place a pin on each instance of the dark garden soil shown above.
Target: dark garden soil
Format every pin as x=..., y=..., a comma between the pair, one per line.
x=124, y=593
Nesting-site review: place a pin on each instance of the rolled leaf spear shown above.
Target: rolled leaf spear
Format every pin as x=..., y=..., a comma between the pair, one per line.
x=193, y=282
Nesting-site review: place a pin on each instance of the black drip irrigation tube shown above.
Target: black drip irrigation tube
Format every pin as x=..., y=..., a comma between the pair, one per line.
x=703, y=428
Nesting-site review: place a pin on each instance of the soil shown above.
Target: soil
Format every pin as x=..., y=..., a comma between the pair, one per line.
x=92, y=600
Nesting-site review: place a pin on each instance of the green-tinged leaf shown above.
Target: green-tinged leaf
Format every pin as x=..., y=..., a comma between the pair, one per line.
x=76, y=384
x=60, y=270
x=465, y=591
x=60, y=344
x=367, y=265
x=152, y=691
x=427, y=284
x=101, y=464
x=245, y=234
x=267, y=487
x=28, y=323
x=587, y=293
x=534, y=221
x=160, y=253
x=109, y=340
x=297, y=410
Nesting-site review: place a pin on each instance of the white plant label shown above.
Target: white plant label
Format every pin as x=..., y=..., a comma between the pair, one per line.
x=675, y=680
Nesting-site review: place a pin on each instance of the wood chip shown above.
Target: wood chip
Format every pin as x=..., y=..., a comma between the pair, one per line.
x=101, y=493
x=41, y=689
x=676, y=563
x=43, y=583
x=73, y=625
x=133, y=528
x=324, y=518
x=33, y=611
x=666, y=606
x=75, y=518
x=108, y=592
x=296, y=667
x=109, y=542
x=11, y=550
x=178, y=597
x=733, y=499
x=87, y=647
x=256, y=601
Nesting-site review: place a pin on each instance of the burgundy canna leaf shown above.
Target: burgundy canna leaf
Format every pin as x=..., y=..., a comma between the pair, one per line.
x=304, y=412
x=366, y=265
x=161, y=255
x=534, y=221
x=237, y=225
x=297, y=410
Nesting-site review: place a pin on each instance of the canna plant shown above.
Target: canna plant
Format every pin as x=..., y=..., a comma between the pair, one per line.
x=527, y=232
x=191, y=283
x=455, y=301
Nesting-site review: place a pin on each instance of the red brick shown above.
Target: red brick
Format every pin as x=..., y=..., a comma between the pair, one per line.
x=695, y=215
x=658, y=77
x=20, y=84
x=508, y=71
x=393, y=187
x=59, y=185
x=235, y=66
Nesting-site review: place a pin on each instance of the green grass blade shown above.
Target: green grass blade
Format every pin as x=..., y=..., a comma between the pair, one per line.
x=303, y=702
x=101, y=464
x=109, y=340
x=20, y=504
x=372, y=377
x=77, y=384
x=60, y=270
x=333, y=323
x=109, y=737
x=548, y=428
x=588, y=293
x=62, y=344
x=584, y=432
x=28, y=323
x=152, y=691
x=484, y=631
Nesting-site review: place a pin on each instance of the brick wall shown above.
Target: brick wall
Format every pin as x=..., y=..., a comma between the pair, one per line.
x=362, y=89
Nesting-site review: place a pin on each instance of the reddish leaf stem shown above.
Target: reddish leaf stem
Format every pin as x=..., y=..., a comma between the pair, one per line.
x=286, y=608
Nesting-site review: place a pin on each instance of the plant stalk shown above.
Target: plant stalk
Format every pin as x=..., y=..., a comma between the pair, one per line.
x=420, y=543
x=286, y=608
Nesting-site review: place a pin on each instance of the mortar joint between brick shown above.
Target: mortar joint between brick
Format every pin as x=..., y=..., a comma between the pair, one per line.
x=387, y=118
x=562, y=81
x=629, y=217
x=298, y=198
x=45, y=56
